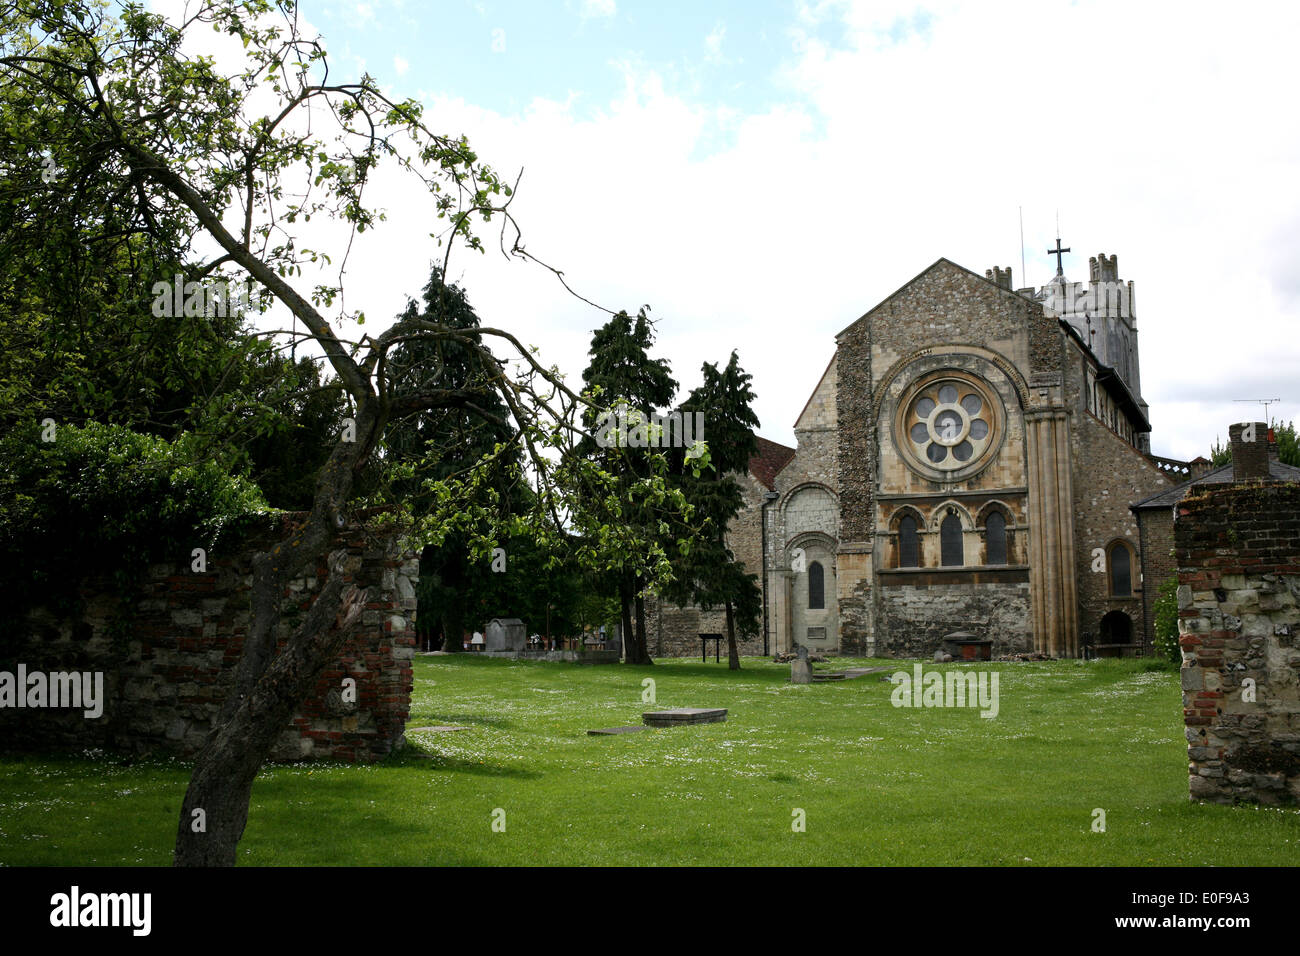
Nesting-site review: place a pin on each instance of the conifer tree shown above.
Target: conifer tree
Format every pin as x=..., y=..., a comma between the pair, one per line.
x=621, y=368
x=709, y=574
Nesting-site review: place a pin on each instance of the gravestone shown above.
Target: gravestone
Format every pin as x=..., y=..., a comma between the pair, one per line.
x=800, y=669
x=681, y=716
x=505, y=634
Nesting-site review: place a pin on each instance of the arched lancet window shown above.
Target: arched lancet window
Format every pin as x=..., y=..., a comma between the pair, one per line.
x=1121, y=573
x=950, y=546
x=995, y=538
x=909, y=548
x=816, y=587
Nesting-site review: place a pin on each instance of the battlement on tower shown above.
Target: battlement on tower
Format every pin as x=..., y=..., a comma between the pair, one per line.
x=1103, y=269
x=1002, y=277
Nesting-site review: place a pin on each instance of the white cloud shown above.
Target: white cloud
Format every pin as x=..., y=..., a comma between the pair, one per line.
x=713, y=43
x=597, y=9
x=1162, y=139
x=400, y=65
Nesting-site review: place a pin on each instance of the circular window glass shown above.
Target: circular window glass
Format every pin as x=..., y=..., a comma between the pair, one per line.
x=949, y=423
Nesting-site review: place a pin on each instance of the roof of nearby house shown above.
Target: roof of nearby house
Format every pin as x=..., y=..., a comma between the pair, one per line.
x=1217, y=476
x=771, y=458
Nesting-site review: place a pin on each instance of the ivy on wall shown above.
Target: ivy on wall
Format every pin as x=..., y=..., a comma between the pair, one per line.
x=103, y=500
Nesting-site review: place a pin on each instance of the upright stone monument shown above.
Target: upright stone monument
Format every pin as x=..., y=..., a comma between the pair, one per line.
x=800, y=669
x=505, y=634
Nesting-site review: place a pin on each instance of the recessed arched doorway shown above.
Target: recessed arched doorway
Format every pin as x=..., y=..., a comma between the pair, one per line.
x=1116, y=628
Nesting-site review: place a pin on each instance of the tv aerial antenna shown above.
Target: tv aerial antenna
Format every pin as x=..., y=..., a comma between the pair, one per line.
x=1262, y=401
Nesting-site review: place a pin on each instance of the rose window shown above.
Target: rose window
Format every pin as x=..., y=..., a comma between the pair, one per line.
x=949, y=424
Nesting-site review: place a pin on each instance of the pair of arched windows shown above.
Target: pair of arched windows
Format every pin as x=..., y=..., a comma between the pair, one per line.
x=951, y=549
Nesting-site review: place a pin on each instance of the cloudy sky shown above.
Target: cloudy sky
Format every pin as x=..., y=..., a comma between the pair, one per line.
x=762, y=173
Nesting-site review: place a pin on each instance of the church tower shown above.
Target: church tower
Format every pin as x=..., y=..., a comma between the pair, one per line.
x=1102, y=314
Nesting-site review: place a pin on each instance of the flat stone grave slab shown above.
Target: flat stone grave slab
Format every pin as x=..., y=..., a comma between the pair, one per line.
x=847, y=674
x=684, y=715
x=609, y=731
x=853, y=672
x=434, y=730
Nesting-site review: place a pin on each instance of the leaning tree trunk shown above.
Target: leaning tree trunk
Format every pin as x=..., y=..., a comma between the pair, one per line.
x=215, y=809
x=268, y=687
x=733, y=654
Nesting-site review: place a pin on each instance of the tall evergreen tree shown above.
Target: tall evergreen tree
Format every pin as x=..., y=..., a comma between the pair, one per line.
x=709, y=574
x=621, y=368
x=440, y=442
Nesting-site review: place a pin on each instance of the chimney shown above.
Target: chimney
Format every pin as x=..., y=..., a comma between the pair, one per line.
x=1249, y=443
x=1000, y=276
x=1272, y=446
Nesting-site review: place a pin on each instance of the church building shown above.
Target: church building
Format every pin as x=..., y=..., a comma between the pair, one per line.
x=966, y=462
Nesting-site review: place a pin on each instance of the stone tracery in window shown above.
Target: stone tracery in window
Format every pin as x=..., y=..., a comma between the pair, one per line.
x=949, y=424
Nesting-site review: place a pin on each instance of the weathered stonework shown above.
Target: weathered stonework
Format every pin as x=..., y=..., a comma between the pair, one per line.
x=1061, y=456
x=1238, y=549
x=915, y=617
x=168, y=655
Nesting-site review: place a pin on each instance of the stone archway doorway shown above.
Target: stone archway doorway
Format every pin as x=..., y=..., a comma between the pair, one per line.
x=1116, y=628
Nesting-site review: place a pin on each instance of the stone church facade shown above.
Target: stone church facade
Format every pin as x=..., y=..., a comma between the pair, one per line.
x=967, y=461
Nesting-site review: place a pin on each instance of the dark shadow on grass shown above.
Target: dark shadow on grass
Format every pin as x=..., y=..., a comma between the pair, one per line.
x=409, y=757
x=774, y=673
x=450, y=720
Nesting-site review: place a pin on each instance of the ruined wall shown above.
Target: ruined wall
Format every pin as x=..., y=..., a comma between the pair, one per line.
x=168, y=651
x=1238, y=549
x=673, y=631
x=914, y=616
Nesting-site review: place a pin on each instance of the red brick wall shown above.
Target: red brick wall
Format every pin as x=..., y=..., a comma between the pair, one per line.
x=1238, y=549
x=169, y=650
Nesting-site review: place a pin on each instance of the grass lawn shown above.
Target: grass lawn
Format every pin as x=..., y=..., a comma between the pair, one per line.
x=878, y=784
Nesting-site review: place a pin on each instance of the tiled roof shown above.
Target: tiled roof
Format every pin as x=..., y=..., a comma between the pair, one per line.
x=771, y=458
x=1218, y=476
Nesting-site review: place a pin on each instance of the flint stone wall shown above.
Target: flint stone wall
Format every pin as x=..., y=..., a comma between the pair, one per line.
x=914, y=618
x=1238, y=549
x=168, y=654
